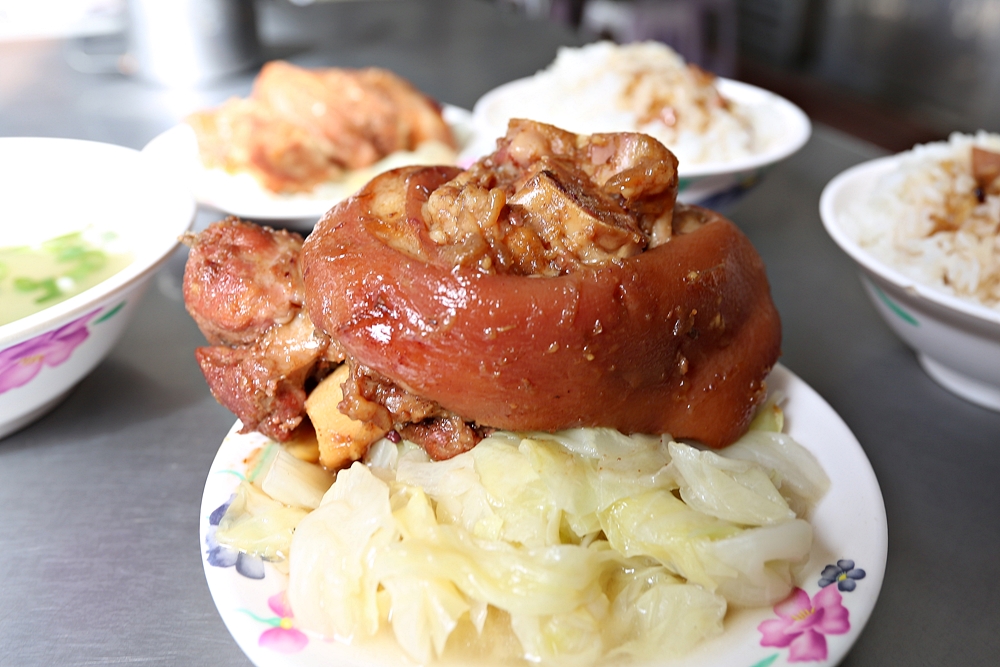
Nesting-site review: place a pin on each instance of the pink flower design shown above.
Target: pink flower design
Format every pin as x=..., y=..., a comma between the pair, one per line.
x=20, y=363
x=802, y=624
x=283, y=637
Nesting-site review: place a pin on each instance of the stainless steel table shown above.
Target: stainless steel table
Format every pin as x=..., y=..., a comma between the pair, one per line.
x=99, y=500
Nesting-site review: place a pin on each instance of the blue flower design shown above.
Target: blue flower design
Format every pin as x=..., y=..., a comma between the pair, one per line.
x=844, y=574
x=251, y=567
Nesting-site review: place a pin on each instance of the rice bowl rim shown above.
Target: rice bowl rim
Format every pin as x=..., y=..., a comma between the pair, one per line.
x=863, y=177
x=798, y=127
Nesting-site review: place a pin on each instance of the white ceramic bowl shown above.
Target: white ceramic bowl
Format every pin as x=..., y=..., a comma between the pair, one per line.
x=50, y=187
x=956, y=341
x=718, y=185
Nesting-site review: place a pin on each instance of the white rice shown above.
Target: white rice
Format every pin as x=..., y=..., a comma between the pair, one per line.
x=900, y=222
x=604, y=87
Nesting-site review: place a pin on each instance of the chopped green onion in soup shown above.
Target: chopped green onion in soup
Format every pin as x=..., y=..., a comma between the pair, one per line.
x=33, y=278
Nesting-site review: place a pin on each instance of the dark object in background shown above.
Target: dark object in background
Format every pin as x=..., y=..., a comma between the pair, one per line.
x=780, y=32
x=190, y=42
x=175, y=43
x=703, y=32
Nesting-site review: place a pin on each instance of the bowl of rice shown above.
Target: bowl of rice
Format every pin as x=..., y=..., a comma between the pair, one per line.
x=725, y=134
x=924, y=229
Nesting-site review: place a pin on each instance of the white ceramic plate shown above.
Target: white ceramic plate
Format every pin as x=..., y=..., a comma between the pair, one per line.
x=850, y=530
x=242, y=195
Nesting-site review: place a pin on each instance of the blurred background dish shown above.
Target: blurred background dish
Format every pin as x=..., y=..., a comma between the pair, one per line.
x=72, y=210
x=956, y=339
x=242, y=195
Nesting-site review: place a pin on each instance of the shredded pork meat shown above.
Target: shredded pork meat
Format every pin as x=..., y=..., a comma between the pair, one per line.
x=243, y=287
x=303, y=127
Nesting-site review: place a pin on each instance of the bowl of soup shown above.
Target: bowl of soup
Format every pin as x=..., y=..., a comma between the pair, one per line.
x=85, y=225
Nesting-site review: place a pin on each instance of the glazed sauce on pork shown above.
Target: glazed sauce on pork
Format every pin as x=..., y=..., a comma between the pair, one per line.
x=553, y=284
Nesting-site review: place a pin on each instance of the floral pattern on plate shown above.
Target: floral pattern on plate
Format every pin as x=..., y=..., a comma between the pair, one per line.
x=844, y=574
x=217, y=555
x=282, y=636
x=803, y=622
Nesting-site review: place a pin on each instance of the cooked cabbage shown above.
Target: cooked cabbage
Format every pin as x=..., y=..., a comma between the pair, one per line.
x=582, y=545
x=573, y=547
x=256, y=524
